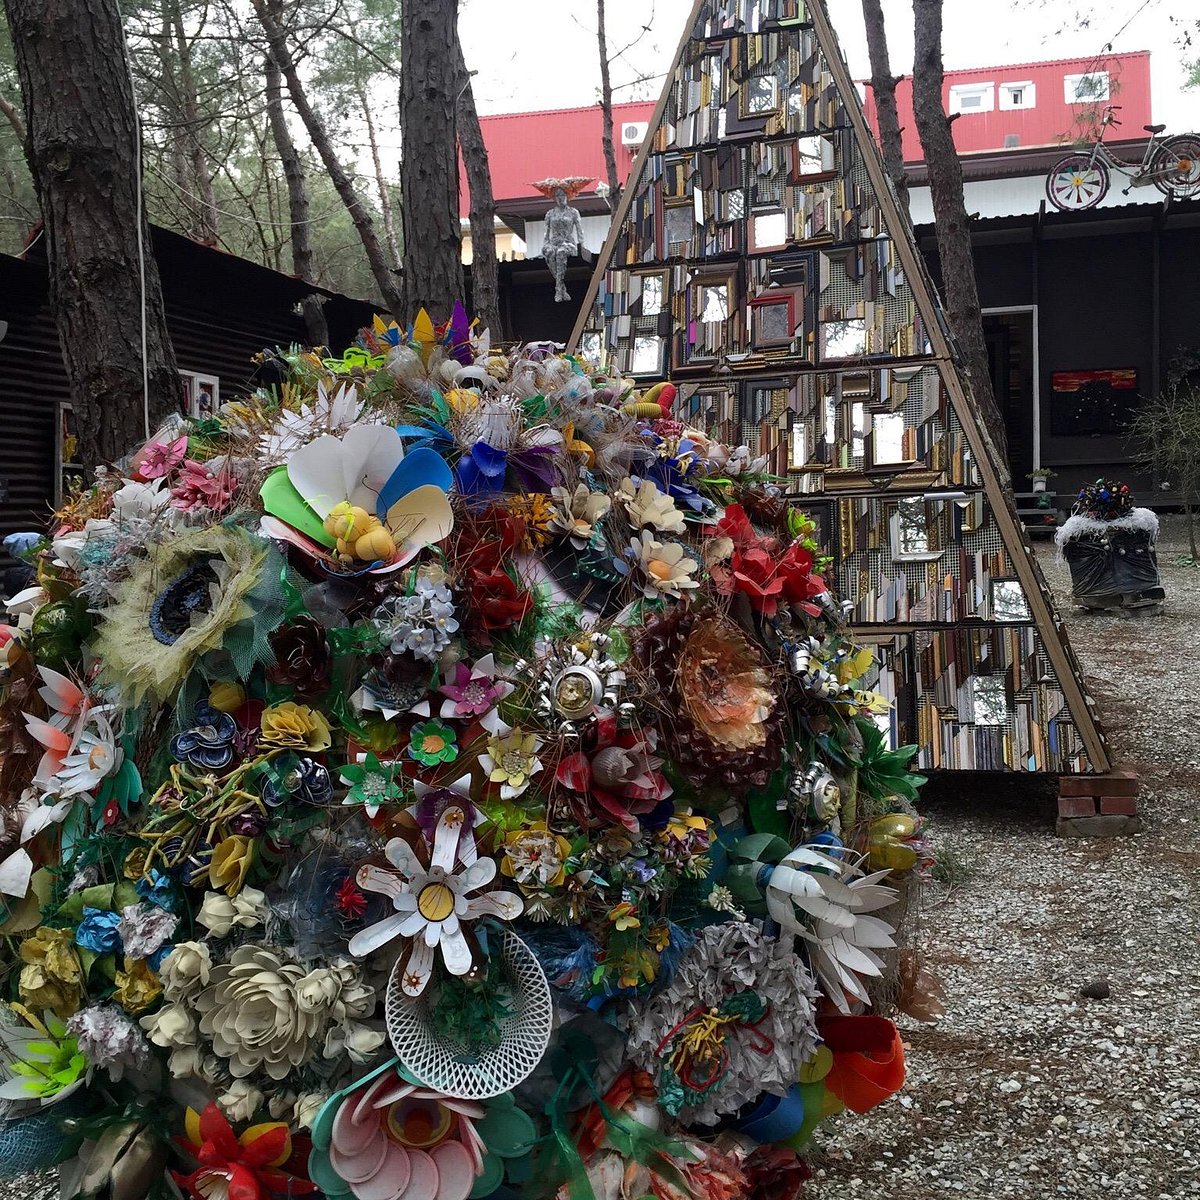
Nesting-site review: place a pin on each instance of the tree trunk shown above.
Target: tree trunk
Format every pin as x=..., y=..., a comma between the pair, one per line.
x=385, y=201
x=606, y=109
x=208, y=227
x=883, y=86
x=485, y=271
x=429, y=85
x=83, y=152
x=952, y=225
x=297, y=190
x=359, y=214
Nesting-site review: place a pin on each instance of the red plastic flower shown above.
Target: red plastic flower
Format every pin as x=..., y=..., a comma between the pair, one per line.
x=238, y=1168
x=348, y=900
x=800, y=585
x=735, y=525
x=620, y=773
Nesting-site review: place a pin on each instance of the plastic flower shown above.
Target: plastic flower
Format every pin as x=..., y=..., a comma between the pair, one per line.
x=536, y=857
x=47, y=1065
x=511, y=760
x=433, y=902
x=208, y=744
x=624, y=916
x=659, y=568
x=157, y=459
x=98, y=931
x=185, y=970
x=373, y=784
x=296, y=726
x=648, y=508
x=145, y=928
x=577, y=513
x=433, y=742
x=473, y=691
x=199, y=486
x=303, y=658
x=238, y=1168
x=300, y=780
x=219, y=914
x=108, y=1039
x=137, y=986
x=231, y=861
x=52, y=977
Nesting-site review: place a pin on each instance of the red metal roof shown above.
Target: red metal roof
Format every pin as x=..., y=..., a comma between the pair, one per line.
x=523, y=147
x=1051, y=121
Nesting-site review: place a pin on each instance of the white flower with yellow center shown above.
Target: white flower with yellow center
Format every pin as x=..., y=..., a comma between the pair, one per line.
x=433, y=903
x=511, y=759
x=659, y=568
x=576, y=513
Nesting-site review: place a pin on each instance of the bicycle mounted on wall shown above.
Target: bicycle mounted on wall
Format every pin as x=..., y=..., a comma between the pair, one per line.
x=1081, y=180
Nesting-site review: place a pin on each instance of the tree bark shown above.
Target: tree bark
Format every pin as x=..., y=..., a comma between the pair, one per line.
x=883, y=87
x=83, y=150
x=429, y=83
x=952, y=225
x=606, y=110
x=299, y=217
x=485, y=271
x=344, y=185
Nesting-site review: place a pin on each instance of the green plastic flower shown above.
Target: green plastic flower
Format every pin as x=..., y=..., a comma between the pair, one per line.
x=48, y=1065
x=373, y=783
x=432, y=743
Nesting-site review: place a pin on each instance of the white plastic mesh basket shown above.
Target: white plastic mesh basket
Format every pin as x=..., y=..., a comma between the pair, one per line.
x=454, y=1070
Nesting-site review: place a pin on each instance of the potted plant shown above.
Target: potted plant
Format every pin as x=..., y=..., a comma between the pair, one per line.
x=1038, y=478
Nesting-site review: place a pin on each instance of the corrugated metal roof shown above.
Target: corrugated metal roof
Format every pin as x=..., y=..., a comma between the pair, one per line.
x=524, y=147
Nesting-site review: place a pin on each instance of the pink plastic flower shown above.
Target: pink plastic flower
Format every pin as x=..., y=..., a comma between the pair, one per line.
x=159, y=458
x=198, y=487
x=473, y=691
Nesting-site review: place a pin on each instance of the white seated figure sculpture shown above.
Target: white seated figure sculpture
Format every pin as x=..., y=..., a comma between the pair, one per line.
x=563, y=237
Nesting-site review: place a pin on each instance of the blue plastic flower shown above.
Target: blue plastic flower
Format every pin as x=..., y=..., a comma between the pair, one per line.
x=208, y=745
x=97, y=931
x=157, y=890
x=299, y=780
x=480, y=472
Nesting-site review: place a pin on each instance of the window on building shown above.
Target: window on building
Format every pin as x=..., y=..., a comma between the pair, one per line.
x=1086, y=89
x=972, y=97
x=1017, y=95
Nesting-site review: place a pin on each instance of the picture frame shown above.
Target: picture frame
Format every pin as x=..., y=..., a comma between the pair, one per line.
x=773, y=319
x=201, y=395
x=646, y=354
x=758, y=97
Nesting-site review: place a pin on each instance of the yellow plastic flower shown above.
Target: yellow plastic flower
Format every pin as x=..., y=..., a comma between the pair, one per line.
x=854, y=665
x=231, y=860
x=52, y=978
x=511, y=760
x=137, y=986
x=295, y=726
x=660, y=937
x=227, y=697
x=624, y=916
x=536, y=857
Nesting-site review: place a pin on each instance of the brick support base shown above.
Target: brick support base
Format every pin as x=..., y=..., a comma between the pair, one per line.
x=1098, y=805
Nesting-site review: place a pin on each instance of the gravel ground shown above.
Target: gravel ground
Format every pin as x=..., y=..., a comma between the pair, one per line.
x=1025, y=1088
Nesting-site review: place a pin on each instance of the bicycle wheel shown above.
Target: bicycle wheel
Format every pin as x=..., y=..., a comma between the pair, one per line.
x=1176, y=166
x=1076, y=183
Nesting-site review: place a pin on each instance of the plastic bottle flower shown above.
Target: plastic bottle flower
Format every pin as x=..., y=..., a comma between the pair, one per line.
x=368, y=478
x=648, y=508
x=232, y=1167
x=432, y=742
x=157, y=459
x=373, y=784
x=433, y=903
x=658, y=568
x=391, y=1138
x=44, y=1064
x=511, y=760
x=208, y=745
x=473, y=691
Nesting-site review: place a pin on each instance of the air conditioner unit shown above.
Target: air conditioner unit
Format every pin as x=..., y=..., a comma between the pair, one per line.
x=633, y=133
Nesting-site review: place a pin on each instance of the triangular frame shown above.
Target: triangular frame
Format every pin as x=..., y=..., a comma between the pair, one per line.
x=1094, y=754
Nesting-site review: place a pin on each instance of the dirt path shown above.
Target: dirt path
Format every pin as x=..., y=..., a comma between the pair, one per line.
x=1025, y=1089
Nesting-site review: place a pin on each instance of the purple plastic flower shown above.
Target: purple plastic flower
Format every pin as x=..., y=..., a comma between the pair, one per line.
x=472, y=691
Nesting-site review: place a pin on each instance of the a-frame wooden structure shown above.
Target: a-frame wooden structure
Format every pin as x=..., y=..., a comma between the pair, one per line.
x=760, y=259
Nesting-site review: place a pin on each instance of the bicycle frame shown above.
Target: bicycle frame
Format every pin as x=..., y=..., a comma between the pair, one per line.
x=1139, y=174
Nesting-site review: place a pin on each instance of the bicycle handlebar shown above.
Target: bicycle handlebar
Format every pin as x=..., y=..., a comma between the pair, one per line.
x=1109, y=109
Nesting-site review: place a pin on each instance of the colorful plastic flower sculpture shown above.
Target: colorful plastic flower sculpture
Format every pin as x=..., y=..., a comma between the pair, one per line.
x=391, y=1138
x=43, y=1063
x=361, y=496
x=233, y=1167
x=208, y=745
x=620, y=774
x=373, y=784
x=473, y=691
x=433, y=902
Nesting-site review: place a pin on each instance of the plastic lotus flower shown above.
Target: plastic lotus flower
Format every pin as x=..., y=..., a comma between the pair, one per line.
x=361, y=496
x=658, y=568
x=473, y=691
x=390, y=1138
x=433, y=904
x=511, y=760
x=577, y=513
x=79, y=743
x=828, y=902
x=233, y=1167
